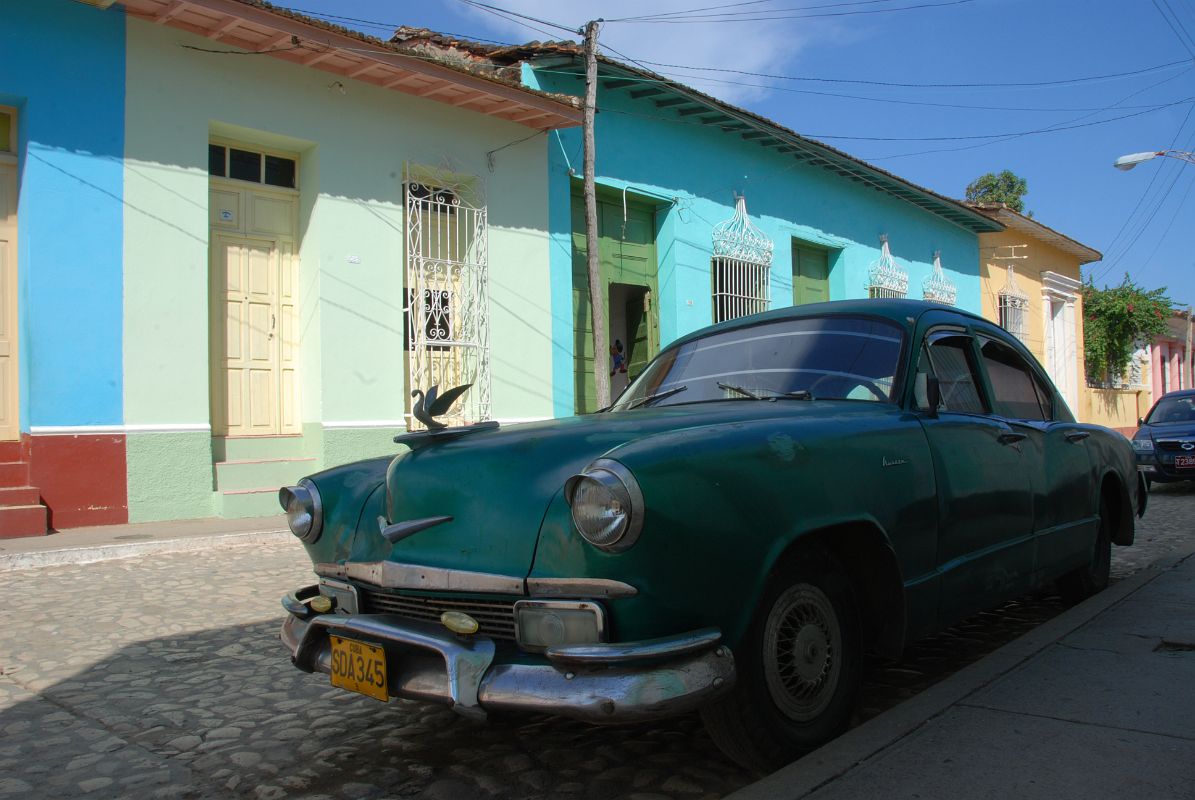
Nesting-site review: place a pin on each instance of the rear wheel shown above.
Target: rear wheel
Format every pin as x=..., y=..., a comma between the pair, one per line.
x=799, y=669
x=1092, y=577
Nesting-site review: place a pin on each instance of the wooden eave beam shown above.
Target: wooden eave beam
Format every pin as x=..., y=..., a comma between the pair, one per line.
x=368, y=66
x=671, y=101
x=228, y=25
x=639, y=94
x=270, y=44
x=738, y=126
x=755, y=135
x=688, y=112
x=618, y=83
x=175, y=8
x=268, y=20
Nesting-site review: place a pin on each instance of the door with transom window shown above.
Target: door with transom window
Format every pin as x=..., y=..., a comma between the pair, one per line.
x=254, y=284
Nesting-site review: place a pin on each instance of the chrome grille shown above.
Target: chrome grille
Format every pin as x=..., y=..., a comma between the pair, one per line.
x=1174, y=444
x=494, y=617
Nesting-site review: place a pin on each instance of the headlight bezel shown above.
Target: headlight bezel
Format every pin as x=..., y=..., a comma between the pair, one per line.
x=615, y=478
x=299, y=501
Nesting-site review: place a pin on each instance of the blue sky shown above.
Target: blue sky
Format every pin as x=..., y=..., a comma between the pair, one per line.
x=1141, y=220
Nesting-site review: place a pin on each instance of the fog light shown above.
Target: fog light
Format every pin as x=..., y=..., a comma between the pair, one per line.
x=458, y=622
x=321, y=604
x=540, y=624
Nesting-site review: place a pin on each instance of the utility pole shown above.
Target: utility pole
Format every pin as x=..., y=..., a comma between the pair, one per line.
x=1190, y=355
x=597, y=292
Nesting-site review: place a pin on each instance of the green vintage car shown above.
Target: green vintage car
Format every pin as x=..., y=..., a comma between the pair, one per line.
x=772, y=498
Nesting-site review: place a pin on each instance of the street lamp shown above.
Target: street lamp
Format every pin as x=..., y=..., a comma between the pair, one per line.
x=1126, y=163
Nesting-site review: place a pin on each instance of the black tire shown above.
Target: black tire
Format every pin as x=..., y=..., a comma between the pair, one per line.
x=1149, y=484
x=798, y=668
x=1092, y=577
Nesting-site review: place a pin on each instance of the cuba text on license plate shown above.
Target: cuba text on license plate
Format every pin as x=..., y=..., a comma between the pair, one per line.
x=359, y=667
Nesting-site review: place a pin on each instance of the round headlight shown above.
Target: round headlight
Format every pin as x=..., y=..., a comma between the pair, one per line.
x=304, y=512
x=607, y=505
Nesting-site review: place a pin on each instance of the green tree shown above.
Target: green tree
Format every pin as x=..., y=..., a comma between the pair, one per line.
x=1005, y=187
x=1116, y=319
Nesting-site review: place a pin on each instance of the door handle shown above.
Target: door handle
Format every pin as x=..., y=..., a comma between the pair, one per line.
x=1010, y=438
x=1077, y=436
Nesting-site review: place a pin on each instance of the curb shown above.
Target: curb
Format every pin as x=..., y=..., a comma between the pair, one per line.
x=859, y=745
x=108, y=552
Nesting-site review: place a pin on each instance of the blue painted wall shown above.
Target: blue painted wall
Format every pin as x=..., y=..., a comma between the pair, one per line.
x=62, y=66
x=696, y=170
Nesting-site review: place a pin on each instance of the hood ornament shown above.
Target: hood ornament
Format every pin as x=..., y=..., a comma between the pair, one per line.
x=433, y=404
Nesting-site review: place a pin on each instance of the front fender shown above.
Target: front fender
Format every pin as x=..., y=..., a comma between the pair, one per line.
x=343, y=492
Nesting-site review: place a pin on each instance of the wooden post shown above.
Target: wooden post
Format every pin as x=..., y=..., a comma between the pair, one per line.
x=597, y=291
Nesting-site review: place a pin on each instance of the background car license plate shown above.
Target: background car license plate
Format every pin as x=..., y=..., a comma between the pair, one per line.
x=359, y=667
x=1184, y=462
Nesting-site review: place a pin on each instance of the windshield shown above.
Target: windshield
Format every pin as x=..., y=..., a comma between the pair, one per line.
x=820, y=358
x=1172, y=409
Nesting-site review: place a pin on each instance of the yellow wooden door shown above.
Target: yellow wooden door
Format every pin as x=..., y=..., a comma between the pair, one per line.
x=254, y=342
x=9, y=416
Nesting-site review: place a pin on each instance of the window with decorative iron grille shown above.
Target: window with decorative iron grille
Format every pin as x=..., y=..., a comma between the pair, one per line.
x=1012, y=306
x=937, y=288
x=885, y=278
x=741, y=266
x=446, y=315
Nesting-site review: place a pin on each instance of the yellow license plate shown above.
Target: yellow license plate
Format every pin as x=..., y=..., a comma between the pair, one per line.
x=359, y=667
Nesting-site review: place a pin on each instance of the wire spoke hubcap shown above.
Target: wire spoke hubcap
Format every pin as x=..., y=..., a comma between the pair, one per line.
x=802, y=652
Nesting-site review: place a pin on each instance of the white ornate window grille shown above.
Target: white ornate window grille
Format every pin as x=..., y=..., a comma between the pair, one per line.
x=937, y=288
x=741, y=266
x=1012, y=305
x=885, y=278
x=446, y=315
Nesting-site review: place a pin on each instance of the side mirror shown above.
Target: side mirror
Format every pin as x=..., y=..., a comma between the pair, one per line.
x=933, y=393
x=1140, y=421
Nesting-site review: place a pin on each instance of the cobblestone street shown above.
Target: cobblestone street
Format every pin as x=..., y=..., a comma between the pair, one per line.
x=163, y=677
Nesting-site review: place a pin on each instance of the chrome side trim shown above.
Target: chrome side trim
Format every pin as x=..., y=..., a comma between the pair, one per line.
x=648, y=649
x=396, y=532
x=602, y=588
x=393, y=575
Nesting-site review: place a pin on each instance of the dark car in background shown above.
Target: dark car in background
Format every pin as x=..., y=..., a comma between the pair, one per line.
x=1165, y=442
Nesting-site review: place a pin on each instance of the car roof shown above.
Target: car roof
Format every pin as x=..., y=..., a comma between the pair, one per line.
x=901, y=312
x=1176, y=393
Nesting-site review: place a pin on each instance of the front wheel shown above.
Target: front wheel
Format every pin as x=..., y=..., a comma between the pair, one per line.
x=1092, y=577
x=799, y=668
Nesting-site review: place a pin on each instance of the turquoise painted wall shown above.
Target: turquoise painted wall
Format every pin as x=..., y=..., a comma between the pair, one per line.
x=699, y=169
x=62, y=67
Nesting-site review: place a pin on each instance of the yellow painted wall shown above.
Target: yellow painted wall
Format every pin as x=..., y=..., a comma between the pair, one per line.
x=1039, y=257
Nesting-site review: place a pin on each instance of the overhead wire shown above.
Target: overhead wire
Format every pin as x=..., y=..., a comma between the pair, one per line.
x=694, y=11
x=781, y=15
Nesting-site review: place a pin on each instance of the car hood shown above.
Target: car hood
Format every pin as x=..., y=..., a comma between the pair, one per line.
x=1172, y=430
x=497, y=484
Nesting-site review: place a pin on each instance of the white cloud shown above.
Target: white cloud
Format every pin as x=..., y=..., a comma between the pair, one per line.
x=769, y=46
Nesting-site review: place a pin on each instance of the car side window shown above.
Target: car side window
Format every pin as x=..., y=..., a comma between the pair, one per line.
x=1015, y=392
x=948, y=356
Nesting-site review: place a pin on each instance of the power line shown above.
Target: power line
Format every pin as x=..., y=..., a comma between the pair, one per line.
x=1185, y=41
x=1117, y=104
x=779, y=15
x=1031, y=84
x=509, y=13
x=692, y=12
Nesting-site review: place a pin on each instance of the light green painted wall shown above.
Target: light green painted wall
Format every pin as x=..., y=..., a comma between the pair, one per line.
x=352, y=149
x=342, y=445
x=170, y=476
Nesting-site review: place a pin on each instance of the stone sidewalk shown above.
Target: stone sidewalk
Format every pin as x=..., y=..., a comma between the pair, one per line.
x=101, y=543
x=1099, y=702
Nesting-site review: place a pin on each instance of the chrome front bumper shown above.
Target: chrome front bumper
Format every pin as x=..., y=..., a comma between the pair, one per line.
x=624, y=682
